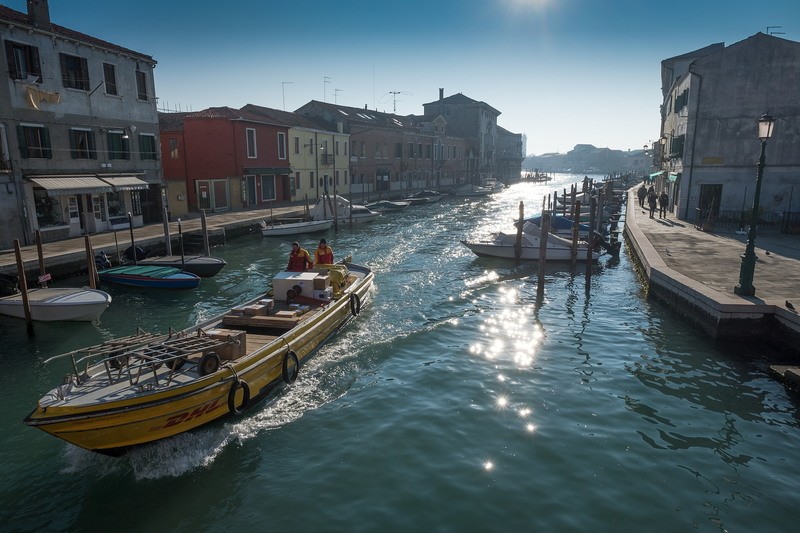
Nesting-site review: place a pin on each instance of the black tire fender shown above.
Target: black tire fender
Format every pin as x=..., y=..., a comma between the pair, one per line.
x=238, y=384
x=290, y=377
x=355, y=304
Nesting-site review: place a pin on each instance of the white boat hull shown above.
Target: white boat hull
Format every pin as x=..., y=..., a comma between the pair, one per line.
x=530, y=253
x=56, y=304
x=294, y=228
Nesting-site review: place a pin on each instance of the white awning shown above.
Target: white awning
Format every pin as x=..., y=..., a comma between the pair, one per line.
x=126, y=183
x=68, y=185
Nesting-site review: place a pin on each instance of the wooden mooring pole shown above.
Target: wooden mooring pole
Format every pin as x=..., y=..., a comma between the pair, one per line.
x=204, y=224
x=543, y=249
x=518, y=241
x=43, y=277
x=23, y=287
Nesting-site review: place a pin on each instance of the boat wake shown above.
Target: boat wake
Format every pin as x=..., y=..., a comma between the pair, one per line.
x=323, y=379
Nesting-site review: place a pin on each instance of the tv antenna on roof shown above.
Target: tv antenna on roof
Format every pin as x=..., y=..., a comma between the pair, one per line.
x=394, y=99
x=770, y=30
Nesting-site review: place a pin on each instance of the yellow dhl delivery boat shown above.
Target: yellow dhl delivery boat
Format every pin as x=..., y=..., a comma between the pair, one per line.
x=145, y=387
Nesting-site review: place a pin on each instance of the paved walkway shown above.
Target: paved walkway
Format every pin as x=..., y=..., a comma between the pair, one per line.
x=73, y=250
x=713, y=259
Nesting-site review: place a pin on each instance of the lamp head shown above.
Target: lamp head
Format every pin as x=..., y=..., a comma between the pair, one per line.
x=765, y=126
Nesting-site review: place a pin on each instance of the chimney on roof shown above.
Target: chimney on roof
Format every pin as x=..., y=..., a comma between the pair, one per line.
x=39, y=13
x=441, y=93
x=365, y=107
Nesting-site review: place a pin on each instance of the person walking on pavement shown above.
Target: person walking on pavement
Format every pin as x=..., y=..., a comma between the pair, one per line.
x=642, y=192
x=663, y=202
x=652, y=200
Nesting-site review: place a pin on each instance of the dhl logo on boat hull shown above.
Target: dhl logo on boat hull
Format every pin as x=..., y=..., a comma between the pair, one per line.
x=190, y=415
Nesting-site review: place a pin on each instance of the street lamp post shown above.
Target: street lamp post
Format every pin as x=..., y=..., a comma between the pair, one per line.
x=745, y=285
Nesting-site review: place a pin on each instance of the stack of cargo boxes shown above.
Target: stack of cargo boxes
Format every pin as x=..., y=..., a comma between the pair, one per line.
x=322, y=287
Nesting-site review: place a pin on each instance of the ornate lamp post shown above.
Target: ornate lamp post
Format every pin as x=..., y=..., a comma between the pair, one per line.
x=745, y=285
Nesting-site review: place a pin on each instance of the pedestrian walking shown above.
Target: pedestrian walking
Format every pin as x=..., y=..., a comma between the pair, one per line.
x=652, y=201
x=642, y=192
x=663, y=202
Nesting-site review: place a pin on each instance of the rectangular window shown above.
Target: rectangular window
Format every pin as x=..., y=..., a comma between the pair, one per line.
x=141, y=85
x=118, y=145
x=267, y=187
x=281, y=145
x=74, y=72
x=298, y=182
x=110, y=78
x=23, y=61
x=34, y=142
x=311, y=147
x=345, y=177
x=81, y=144
x=252, y=153
x=311, y=180
x=411, y=150
x=99, y=207
x=336, y=147
x=296, y=145
x=147, y=146
x=136, y=202
x=336, y=177
x=363, y=149
x=116, y=204
x=173, y=148
x=398, y=150
x=48, y=209
x=345, y=147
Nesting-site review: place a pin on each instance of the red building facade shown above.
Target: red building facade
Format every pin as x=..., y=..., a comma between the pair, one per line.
x=229, y=159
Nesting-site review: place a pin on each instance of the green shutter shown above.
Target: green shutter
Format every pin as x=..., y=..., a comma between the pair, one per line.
x=23, y=147
x=46, y=150
x=73, y=146
x=92, y=146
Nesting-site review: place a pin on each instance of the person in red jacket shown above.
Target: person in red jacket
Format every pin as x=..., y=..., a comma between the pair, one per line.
x=299, y=260
x=323, y=255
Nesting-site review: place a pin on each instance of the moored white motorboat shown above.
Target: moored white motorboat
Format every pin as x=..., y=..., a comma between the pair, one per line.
x=388, y=205
x=278, y=229
x=424, y=197
x=343, y=210
x=55, y=304
x=503, y=245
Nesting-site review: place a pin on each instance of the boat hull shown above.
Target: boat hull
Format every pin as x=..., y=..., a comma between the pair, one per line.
x=199, y=265
x=141, y=416
x=150, y=277
x=530, y=253
x=58, y=304
x=295, y=228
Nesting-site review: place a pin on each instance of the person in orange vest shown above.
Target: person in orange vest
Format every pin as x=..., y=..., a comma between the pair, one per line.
x=299, y=260
x=323, y=255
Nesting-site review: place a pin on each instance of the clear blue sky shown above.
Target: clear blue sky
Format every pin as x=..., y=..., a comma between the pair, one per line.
x=562, y=72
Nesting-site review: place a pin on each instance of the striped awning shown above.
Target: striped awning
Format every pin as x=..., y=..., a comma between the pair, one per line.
x=67, y=185
x=126, y=183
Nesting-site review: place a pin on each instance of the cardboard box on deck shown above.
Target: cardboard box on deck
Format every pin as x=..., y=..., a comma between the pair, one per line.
x=325, y=294
x=255, y=310
x=237, y=346
x=321, y=282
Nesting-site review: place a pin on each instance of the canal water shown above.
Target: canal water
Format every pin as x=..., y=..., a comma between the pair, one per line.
x=455, y=402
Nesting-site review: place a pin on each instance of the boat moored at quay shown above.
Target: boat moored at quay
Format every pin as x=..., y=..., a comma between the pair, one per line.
x=146, y=387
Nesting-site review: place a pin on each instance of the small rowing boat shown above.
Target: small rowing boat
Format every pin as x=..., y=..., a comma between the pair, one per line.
x=55, y=304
